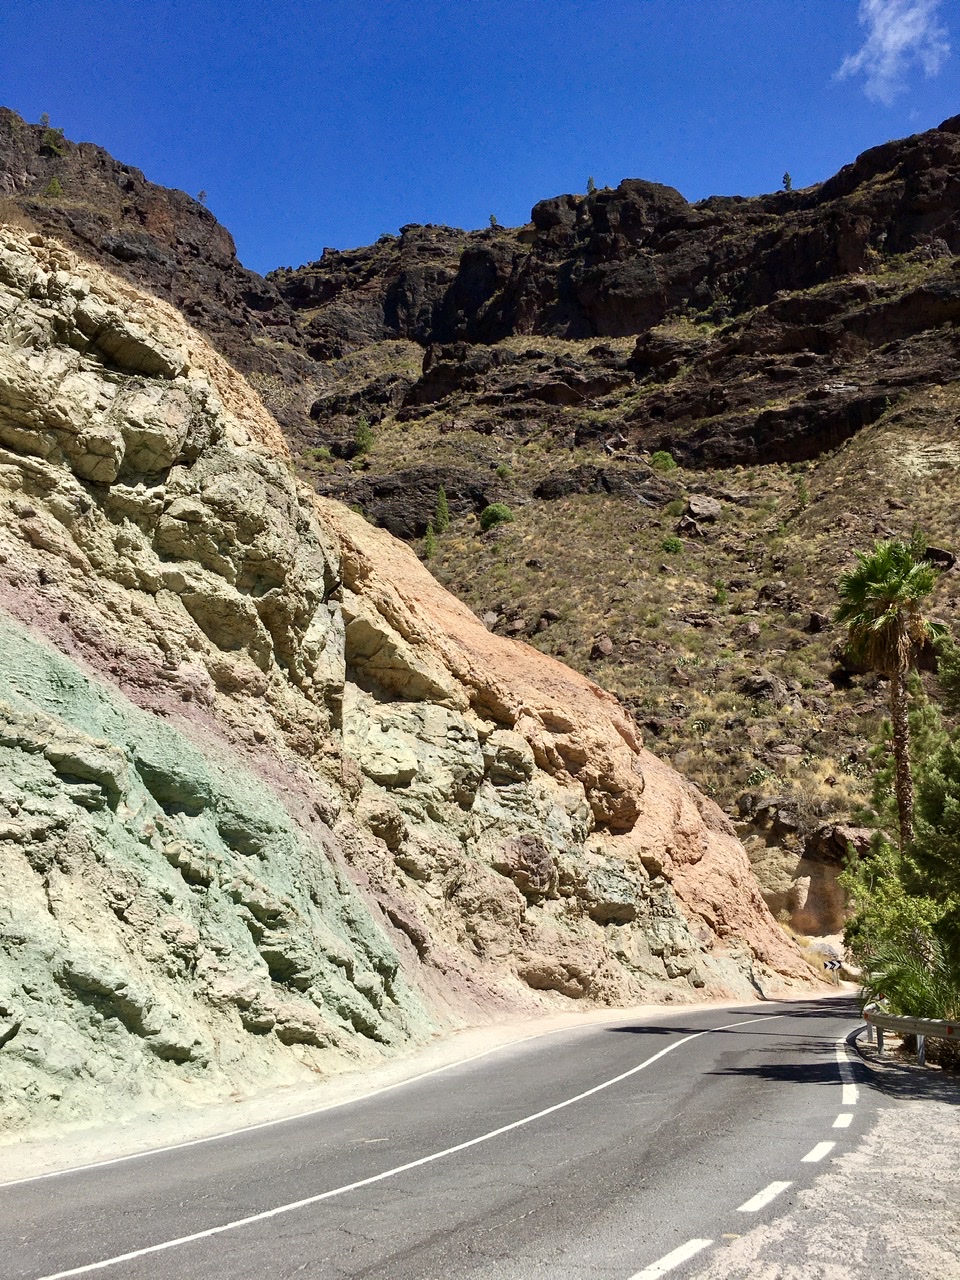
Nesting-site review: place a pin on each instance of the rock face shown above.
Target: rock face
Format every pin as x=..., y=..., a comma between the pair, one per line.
x=272, y=801
x=766, y=375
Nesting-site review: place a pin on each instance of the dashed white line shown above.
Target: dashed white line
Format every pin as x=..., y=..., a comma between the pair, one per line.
x=671, y=1260
x=843, y=1120
x=763, y=1197
x=819, y=1151
x=403, y=1168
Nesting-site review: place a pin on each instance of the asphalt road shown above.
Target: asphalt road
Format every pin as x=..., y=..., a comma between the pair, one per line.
x=618, y=1152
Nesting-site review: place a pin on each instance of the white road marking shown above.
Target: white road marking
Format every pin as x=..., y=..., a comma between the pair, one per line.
x=402, y=1168
x=671, y=1260
x=850, y=1092
x=762, y=1197
x=316, y=1111
x=819, y=1151
x=843, y=1120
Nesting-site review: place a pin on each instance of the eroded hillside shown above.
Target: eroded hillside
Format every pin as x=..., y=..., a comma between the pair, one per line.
x=272, y=801
x=796, y=353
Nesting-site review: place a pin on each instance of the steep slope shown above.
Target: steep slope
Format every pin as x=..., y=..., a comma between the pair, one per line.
x=796, y=353
x=271, y=800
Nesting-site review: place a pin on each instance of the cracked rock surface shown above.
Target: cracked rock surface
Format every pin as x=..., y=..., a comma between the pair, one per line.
x=271, y=801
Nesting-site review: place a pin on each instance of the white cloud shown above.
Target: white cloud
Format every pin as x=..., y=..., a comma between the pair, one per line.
x=900, y=34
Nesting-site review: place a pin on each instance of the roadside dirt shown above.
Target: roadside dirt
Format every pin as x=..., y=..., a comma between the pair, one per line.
x=889, y=1209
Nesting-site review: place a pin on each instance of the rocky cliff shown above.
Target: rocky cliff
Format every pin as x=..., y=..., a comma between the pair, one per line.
x=796, y=353
x=271, y=801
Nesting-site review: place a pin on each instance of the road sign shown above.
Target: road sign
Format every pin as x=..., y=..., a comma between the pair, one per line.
x=833, y=964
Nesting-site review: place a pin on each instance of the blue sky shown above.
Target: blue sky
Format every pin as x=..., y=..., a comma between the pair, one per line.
x=328, y=122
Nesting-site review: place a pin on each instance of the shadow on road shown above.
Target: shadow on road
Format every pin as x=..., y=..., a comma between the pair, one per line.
x=787, y=1072
x=846, y=1008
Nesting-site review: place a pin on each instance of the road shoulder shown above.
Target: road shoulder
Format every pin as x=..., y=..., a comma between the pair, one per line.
x=58, y=1150
x=887, y=1209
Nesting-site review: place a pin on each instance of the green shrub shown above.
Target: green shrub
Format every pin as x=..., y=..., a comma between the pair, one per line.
x=318, y=453
x=503, y=472
x=671, y=543
x=675, y=507
x=54, y=189
x=496, y=513
x=51, y=141
x=720, y=593
x=663, y=461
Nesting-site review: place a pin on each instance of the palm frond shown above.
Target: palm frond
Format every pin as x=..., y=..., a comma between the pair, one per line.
x=914, y=981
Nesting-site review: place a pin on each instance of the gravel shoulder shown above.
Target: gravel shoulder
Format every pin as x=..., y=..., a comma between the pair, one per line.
x=890, y=1209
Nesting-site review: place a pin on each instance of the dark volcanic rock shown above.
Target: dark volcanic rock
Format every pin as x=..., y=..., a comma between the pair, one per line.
x=404, y=501
x=819, y=329
x=641, y=484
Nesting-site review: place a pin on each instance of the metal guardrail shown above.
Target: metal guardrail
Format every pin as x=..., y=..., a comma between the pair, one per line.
x=935, y=1028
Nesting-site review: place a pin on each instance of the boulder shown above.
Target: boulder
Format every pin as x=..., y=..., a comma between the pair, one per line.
x=702, y=507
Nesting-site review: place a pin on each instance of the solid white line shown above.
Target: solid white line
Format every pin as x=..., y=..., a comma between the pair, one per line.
x=671, y=1260
x=843, y=1120
x=327, y=1106
x=761, y=1198
x=850, y=1093
x=819, y=1151
x=269, y=1124
x=767, y=1017
x=403, y=1168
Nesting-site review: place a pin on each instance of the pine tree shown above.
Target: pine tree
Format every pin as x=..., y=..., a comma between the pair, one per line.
x=429, y=542
x=441, y=520
x=363, y=436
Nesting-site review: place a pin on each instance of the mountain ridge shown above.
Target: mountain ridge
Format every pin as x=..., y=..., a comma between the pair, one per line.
x=796, y=353
x=272, y=803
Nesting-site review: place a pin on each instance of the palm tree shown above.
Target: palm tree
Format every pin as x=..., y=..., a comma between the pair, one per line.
x=880, y=603
x=916, y=981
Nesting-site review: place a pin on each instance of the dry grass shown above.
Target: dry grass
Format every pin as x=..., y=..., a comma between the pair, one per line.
x=12, y=215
